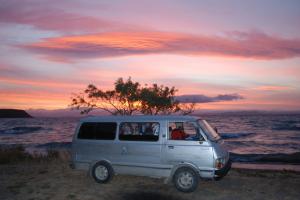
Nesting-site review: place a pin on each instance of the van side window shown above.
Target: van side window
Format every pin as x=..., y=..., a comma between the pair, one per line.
x=139, y=131
x=97, y=131
x=183, y=131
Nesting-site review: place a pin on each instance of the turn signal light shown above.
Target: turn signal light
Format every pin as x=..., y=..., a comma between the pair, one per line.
x=220, y=163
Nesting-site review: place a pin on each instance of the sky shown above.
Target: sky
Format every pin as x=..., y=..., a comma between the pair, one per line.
x=224, y=55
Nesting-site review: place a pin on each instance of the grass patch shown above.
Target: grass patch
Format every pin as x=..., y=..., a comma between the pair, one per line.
x=71, y=196
x=15, y=189
x=30, y=190
x=13, y=154
x=18, y=154
x=45, y=186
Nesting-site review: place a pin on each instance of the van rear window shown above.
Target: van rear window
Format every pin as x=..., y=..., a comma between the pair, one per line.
x=97, y=131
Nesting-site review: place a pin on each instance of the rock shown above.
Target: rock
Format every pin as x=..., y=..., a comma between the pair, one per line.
x=14, y=113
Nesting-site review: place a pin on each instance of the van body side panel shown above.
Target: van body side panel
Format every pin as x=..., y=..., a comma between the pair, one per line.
x=91, y=151
x=87, y=151
x=141, y=153
x=176, y=152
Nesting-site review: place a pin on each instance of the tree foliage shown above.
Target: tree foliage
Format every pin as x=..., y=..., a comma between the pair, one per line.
x=129, y=98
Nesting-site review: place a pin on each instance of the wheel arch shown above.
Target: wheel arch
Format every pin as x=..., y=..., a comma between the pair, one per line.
x=94, y=162
x=182, y=165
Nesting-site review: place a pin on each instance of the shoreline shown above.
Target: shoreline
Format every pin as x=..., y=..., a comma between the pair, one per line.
x=266, y=167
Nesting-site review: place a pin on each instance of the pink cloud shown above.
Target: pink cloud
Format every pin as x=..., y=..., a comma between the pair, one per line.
x=244, y=45
x=42, y=16
x=273, y=88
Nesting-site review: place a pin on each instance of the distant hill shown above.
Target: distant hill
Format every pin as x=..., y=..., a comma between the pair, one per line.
x=67, y=112
x=14, y=113
x=62, y=113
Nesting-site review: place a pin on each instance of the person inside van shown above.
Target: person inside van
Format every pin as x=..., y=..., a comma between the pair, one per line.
x=135, y=128
x=178, y=132
x=155, y=128
x=148, y=129
x=126, y=130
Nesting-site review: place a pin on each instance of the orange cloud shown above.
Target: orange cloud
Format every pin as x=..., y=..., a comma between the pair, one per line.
x=41, y=83
x=272, y=88
x=30, y=99
x=245, y=45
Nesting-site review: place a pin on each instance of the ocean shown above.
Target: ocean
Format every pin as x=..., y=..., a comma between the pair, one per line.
x=251, y=138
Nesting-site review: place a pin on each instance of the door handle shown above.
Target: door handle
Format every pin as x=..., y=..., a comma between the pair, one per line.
x=171, y=147
x=124, y=150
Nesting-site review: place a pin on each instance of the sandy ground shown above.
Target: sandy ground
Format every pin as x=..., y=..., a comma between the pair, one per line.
x=55, y=180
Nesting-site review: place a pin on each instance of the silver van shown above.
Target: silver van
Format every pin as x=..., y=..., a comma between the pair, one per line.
x=181, y=149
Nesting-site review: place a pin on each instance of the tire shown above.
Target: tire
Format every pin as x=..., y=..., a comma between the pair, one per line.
x=102, y=172
x=186, y=179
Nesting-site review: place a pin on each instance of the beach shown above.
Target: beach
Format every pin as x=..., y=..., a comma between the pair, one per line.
x=52, y=178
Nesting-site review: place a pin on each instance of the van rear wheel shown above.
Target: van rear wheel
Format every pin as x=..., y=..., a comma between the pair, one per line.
x=102, y=172
x=186, y=179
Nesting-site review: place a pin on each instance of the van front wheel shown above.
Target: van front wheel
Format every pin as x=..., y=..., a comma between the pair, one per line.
x=102, y=172
x=186, y=179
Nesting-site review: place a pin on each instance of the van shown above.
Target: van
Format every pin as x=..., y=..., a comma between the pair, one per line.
x=181, y=149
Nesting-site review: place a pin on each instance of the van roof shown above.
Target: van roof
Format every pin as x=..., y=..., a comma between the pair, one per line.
x=139, y=118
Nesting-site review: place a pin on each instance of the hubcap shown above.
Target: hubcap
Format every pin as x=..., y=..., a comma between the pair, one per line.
x=101, y=172
x=185, y=180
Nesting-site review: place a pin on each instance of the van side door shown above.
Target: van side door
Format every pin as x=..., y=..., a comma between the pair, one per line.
x=140, y=148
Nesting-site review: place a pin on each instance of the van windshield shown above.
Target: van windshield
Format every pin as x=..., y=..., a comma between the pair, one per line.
x=209, y=131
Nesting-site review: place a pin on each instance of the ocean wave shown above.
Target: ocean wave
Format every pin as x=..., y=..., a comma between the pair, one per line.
x=21, y=130
x=293, y=158
x=234, y=135
x=287, y=126
x=264, y=146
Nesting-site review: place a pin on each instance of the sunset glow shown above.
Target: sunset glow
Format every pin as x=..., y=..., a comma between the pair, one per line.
x=247, y=51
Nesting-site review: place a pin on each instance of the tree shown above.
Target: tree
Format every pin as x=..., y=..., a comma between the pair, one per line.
x=129, y=98
x=158, y=100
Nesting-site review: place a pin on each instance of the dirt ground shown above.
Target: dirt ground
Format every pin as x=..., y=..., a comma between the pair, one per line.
x=55, y=180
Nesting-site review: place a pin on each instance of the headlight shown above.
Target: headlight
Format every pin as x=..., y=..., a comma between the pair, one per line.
x=220, y=163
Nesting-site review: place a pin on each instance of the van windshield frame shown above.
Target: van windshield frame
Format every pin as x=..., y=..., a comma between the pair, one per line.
x=208, y=130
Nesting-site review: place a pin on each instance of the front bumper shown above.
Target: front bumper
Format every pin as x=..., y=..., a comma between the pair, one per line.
x=222, y=172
